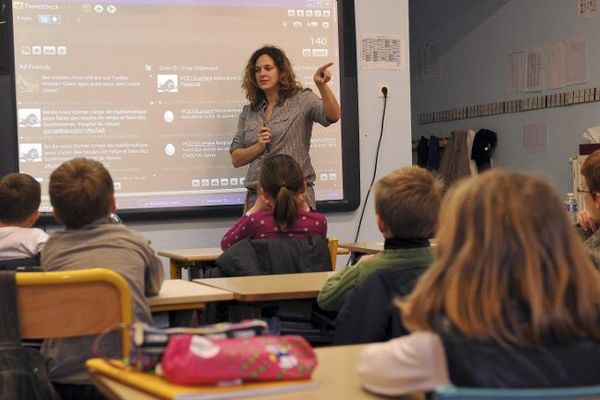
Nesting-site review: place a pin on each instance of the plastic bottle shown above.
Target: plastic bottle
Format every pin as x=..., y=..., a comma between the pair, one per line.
x=571, y=207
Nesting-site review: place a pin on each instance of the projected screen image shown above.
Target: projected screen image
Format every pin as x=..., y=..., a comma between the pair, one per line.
x=152, y=90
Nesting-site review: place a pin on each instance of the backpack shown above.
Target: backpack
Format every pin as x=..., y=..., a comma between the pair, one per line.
x=23, y=371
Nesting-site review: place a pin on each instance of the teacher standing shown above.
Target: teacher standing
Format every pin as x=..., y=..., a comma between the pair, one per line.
x=280, y=117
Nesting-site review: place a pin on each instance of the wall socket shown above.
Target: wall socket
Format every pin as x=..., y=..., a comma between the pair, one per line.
x=381, y=85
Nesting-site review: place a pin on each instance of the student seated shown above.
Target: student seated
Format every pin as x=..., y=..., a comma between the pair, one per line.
x=19, y=203
x=589, y=217
x=82, y=195
x=407, y=202
x=280, y=210
x=510, y=301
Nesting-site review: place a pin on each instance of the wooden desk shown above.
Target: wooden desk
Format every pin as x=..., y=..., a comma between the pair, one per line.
x=357, y=250
x=271, y=287
x=334, y=378
x=182, y=298
x=177, y=294
x=362, y=247
x=185, y=258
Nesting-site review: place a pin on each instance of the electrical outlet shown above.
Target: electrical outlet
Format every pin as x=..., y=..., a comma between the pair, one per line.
x=382, y=85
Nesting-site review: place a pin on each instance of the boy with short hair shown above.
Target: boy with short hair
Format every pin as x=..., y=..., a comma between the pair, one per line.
x=407, y=202
x=20, y=196
x=82, y=195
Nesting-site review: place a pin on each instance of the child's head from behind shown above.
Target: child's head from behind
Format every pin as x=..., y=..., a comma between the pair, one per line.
x=590, y=169
x=19, y=200
x=282, y=181
x=508, y=267
x=407, y=202
x=81, y=191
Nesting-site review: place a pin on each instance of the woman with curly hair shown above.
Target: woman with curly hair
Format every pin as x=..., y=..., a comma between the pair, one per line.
x=280, y=117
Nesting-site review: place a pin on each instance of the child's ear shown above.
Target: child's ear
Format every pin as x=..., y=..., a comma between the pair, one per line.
x=32, y=219
x=596, y=200
x=57, y=217
x=380, y=224
x=113, y=204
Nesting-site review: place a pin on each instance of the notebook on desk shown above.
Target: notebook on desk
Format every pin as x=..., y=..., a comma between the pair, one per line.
x=157, y=386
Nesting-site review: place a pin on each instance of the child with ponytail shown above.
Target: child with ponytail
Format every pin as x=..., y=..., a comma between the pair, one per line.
x=281, y=209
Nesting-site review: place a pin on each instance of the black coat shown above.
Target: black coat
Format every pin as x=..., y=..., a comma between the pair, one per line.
x=368, y=314
x=274, y=256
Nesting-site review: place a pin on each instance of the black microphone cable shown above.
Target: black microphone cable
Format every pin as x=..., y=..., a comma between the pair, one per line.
x=384, y=90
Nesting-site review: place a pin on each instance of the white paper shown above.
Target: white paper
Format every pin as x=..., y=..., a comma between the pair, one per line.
x=592, y=134
x=577, y=61
x=430, y=63
x=587, y=9
x=555, y=65
x=534, y=69
x=515, y=72
x=382, y=52
x=535, y=138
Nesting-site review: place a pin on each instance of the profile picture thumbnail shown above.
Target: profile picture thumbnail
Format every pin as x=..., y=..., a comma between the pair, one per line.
x=167, y=83
x=30, y=118
x=30, y=152
x=27, y=83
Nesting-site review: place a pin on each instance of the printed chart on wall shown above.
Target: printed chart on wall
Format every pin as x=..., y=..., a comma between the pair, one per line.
x=382, y=52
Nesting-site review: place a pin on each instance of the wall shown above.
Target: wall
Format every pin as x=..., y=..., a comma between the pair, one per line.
x=379, y=17
x=475, y=36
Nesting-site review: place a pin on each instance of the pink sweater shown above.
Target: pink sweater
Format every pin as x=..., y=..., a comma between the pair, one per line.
x=262, y=225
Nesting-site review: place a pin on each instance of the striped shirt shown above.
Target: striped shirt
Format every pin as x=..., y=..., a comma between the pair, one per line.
x=291, y=130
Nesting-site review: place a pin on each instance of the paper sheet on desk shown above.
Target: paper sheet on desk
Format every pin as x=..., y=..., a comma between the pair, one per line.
x=592, y=134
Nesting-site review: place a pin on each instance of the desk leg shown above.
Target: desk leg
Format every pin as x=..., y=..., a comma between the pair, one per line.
x=175, y=270
x=355, y=256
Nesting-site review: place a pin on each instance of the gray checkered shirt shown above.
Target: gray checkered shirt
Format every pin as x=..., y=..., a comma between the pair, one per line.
x=291, y=128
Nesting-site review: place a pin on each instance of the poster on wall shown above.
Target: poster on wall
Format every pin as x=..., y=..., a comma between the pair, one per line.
x=382, y=52
x=430, y=61
x=515, y=72
x=555, y=65
x=577, y=60
x=587, y=9
x=534, y=69
x=535, y=138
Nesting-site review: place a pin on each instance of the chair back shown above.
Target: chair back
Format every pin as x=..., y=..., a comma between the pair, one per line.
x=73, y=303
x=332, y=243
x=451, y=392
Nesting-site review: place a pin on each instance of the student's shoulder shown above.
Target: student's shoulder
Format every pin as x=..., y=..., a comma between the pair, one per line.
x=120, y=232
x=260, y=218
x=25, y=233
x=38, y=233
x=314, y=215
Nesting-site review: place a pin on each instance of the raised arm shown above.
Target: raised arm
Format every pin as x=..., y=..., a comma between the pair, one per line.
x=330, y=103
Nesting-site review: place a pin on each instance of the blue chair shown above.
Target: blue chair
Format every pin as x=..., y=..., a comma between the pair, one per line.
x=451, y=392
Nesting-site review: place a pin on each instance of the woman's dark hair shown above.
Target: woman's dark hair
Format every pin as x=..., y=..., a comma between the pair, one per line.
x=282, y=179
x=288, y=86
